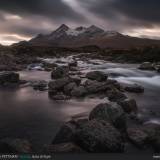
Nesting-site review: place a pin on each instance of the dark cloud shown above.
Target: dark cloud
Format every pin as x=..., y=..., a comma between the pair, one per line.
x=51, y=8
x=132, y=12
x=43, y=16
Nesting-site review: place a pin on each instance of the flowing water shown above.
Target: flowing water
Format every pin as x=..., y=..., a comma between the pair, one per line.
x=29, y=114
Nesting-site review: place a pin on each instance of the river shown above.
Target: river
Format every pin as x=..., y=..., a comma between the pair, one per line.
x=29, y=114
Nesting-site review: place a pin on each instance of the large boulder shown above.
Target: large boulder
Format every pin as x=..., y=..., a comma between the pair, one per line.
x=97, y=75
x=60, y=72
x=65, y=134
x=129, y=105
x=146, y=66
x=135, y=88
x=79, y=91
x=8, y=77
x=15, y=146
x=99, y=137
x=110, y=112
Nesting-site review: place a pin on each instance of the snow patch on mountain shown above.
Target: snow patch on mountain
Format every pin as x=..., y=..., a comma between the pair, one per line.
x=74, y=32
x=111, y=33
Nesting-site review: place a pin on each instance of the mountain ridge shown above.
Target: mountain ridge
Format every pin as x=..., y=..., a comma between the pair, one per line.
x=65, y=36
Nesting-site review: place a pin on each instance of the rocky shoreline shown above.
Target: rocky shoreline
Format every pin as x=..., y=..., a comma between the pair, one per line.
x=109, y=127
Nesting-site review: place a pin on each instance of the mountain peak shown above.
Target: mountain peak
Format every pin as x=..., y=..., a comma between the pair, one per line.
x=63, y=27
x=94, y=28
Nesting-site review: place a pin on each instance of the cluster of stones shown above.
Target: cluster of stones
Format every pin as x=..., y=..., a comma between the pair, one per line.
x=109, y=126
x=105, y=130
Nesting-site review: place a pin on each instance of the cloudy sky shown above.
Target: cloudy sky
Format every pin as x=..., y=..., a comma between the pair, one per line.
x=23, y=19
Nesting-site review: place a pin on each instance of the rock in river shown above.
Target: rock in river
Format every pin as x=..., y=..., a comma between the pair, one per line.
x=146, y=66
x=79, y=91
x=98, y=136
x=134, y=88
x=115, y=95
x=129, y=105
x=65, y=134
x=97, y=75
x=58, y=85
x=110, y=112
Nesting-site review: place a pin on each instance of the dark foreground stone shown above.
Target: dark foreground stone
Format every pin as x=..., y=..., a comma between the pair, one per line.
x=110, y=112
x=99, y=137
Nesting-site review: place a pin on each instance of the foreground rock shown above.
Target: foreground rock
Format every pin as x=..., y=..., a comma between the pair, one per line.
x=63, y=148
x=153, y=132
x=134, y=88
x=66, y=133
x=99, y=137
x=110, y=112
x=97, y=75
x=19, y=146
x=129, y=105
x=8, y=77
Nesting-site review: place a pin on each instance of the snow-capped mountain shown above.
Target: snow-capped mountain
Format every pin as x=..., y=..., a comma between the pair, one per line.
x=65, y=36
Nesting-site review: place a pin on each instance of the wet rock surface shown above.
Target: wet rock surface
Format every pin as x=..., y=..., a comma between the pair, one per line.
x=99, y=136
x=129, y=105
x=110, y=112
